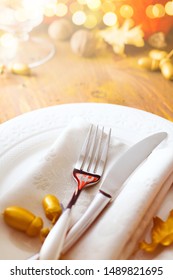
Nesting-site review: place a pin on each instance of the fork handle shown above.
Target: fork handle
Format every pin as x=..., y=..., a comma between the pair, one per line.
x=95, y=208
x=53, y=244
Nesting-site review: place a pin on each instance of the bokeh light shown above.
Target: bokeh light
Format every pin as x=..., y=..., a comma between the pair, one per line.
x=158, y=10
x=169, y=8
x=110, y=19
x=149, y=11
x=126, y=11
x=79, y=18
x=8, y=40
x=91, y=13
x=61, y=9
x=82, y=2
x=110, y=11
x=93, y=4
x=155, y=11
x=108, y=6
x=91, y=21
x=21, y=15
x=74, y=7
x=50, y=9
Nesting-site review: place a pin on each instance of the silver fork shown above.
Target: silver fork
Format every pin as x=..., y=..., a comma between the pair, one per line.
x=87, y=171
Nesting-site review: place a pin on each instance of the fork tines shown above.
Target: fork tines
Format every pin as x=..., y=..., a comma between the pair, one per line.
x=93, y=156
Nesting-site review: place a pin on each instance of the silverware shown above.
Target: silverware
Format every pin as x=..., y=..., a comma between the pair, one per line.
x=113, y=184
x=88, y=171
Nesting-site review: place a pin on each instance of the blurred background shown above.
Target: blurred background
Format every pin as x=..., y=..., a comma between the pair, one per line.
x=118, y=22
x=86, y=48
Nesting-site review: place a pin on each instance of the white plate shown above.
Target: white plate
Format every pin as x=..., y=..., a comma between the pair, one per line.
x=27, y=137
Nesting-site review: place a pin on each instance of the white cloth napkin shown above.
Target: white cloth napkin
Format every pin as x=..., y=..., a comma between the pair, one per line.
x=114, y=234
x=117, y=233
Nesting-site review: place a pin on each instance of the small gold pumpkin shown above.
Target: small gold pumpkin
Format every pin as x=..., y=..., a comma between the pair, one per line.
x=20, y=69
x=23, y=220
x=52, y=207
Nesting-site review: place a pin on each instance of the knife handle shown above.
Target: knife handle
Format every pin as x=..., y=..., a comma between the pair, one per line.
x=95, y=208
x=53, y=244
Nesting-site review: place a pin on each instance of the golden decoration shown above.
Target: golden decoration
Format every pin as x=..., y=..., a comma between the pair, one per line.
x=166, y=68
x=127, y=34
x=52, y=207
x=23, y=220
x=2, y=69
x=161, y=234
x=148, y=63
x=158, y=60
x=44, y=233
x=20, y=69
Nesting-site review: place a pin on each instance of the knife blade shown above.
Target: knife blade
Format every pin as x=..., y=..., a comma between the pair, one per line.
x=110, y=189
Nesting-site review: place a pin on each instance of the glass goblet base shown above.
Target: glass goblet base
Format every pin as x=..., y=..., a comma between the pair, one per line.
x=33, y=52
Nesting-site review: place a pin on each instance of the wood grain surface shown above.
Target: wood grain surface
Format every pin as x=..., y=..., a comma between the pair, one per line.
x=104, y=78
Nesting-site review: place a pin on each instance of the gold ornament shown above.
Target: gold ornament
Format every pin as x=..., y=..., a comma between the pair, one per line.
x=166, y=68
x=127, y=34
x=161, y=234
x=44, y=233
x=158, y=60
x=20, y=69
x=148, y=63
x=157, y=54
x=23, y=220
x=2, y=69
x=52, y=207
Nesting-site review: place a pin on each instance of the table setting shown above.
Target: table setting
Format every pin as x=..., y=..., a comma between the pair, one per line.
x=86, y=130
x=38, y=153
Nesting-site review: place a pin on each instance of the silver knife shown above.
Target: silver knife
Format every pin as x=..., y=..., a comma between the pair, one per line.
x=121, y=169
x=109, y=190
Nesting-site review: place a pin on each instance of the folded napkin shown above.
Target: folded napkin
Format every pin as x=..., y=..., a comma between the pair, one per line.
x=52, y=174
x=115, y=234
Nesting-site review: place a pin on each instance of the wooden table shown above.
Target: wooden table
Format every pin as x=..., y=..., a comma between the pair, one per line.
x=105, y=78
